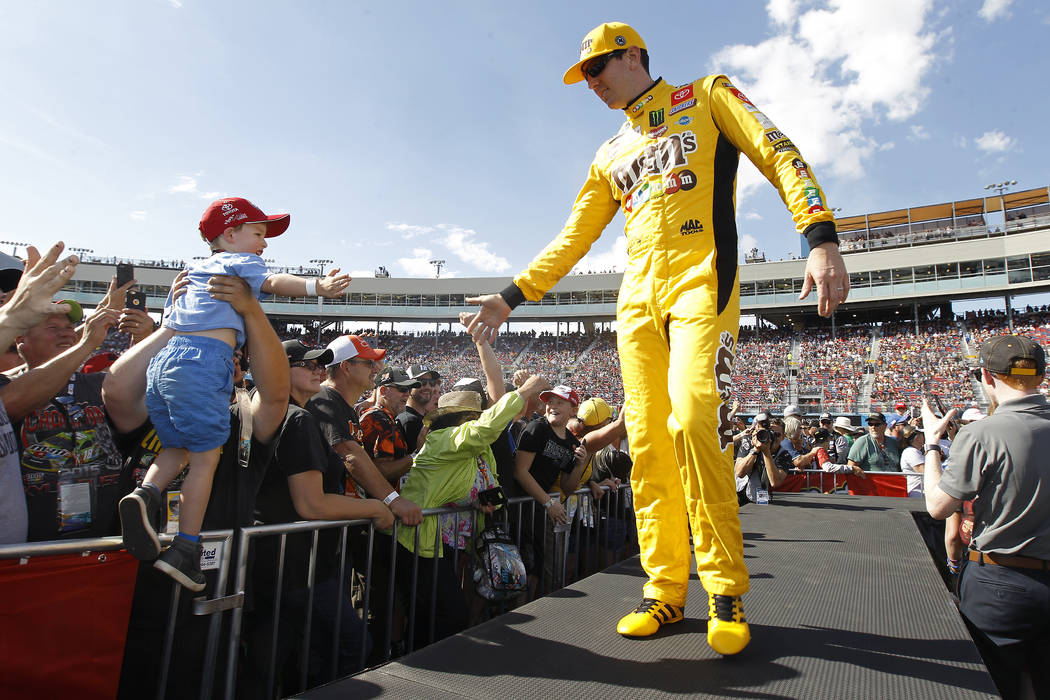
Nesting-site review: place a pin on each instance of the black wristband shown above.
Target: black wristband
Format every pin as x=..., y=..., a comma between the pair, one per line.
x=512, y=295
x=931, y=448
x=821, y=232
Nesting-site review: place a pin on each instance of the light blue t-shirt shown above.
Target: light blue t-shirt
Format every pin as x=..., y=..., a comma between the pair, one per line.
x=196, y=310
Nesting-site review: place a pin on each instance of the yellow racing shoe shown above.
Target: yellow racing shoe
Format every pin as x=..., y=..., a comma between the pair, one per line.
x=727, y=630
x=648, y=617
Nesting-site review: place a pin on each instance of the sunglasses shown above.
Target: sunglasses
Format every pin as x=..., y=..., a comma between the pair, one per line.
x=876, y=423
x=430, y=382
x=307, y=364
x=403, y=390
x=595, y=66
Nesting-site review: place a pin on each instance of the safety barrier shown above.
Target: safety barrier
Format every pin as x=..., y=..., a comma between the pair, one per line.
x=600, y=534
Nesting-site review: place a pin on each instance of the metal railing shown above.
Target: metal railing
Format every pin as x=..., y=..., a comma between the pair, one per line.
x=523, y=514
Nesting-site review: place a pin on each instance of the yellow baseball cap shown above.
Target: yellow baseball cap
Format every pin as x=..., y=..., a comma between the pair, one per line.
x=593, y=411
x=603, y=39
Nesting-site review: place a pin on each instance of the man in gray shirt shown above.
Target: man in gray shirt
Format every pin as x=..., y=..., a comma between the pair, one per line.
x=1000, y=463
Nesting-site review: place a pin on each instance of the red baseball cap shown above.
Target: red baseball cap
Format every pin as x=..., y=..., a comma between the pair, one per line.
x=236, y=211
x=563, y=392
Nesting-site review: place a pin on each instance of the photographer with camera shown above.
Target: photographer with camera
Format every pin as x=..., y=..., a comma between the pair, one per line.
x=756, y=470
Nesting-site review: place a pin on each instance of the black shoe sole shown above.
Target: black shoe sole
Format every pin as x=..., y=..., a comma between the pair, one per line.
x=183, y=580
x=140, y=539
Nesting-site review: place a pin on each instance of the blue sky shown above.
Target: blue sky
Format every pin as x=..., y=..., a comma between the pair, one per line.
x=395, y=133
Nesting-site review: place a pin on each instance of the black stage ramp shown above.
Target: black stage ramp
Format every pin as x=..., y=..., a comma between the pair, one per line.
x=845, y=602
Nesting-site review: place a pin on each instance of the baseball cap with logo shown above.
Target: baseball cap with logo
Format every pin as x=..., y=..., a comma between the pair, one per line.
x=297, y=351
x=395, y=376
x=236, y=211
x=603, y=39
x=417, y=371
x=998, y=354
x=563, y=392
x=594, y=411
x=347, y=347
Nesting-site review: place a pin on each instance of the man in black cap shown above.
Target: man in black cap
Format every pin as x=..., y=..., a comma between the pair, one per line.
x=411, y=419
x=1000, y=463
x=383, y=437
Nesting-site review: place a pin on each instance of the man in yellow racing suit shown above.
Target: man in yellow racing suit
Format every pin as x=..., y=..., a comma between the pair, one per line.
x=672, y=168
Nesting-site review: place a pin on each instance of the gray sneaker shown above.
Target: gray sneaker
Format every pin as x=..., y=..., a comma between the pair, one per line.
x=138, y=511
x=182, y=561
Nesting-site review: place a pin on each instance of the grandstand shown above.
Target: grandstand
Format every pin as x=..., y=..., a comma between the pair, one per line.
x=896, y=332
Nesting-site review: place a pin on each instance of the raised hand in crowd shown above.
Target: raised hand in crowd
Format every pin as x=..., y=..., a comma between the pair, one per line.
x=98, y=325
x=116, y=297
x=136, y=323
x=486, y=322
x=31, y=301
x=332, y=284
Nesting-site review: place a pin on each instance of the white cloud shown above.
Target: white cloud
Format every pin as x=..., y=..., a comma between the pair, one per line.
x=177, y=4
x=917, y=132
x=887, y=146
x=782, y=11
x=459, y=241
x=830, y=70
x=137, y=215
x=994, y=142
x=463, y=243
x=408, y=231
x=419, y=264
x=992, y=10
x=188, y=185
x=752, y=216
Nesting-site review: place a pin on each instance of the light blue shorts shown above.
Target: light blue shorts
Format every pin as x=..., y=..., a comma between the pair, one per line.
x=188, y=388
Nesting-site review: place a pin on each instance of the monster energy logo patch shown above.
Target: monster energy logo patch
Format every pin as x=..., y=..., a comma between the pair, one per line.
x=656, y=117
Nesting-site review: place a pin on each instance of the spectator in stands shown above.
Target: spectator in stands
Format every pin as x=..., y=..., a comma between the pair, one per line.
x=846, y=435
x=411, y=419
x=231, y=504
x=383, y=439
x=27, y=303
x=352, y=371
x=1000, y=462
x=305, y=482
x=546, y=451
x=875, y=452
x=823, y=459
x=454, y=466
x=70, y=461
x=912, y=460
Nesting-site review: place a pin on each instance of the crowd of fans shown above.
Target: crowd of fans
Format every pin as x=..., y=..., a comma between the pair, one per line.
x=67, y=410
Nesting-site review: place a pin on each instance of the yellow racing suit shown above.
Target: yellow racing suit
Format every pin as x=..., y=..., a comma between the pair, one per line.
x=672, y=168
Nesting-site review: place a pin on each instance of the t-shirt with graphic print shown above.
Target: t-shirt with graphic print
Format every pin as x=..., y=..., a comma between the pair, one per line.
x=554, y=455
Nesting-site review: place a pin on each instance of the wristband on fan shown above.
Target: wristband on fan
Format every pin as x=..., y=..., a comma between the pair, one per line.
x=311, y=287
x=391, y=497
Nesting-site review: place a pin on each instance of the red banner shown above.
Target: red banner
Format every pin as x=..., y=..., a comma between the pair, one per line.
x=871, y=484
x=64, y=619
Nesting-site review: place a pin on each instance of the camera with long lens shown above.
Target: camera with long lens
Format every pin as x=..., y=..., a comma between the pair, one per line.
x=764, y=436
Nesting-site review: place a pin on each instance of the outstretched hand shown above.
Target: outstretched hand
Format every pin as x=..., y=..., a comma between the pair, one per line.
x=332, y=284
x=826, y=271
x=484, y=325
x=43, y=277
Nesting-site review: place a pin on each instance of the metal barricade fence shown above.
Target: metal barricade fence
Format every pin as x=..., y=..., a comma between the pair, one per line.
x=201, y=606
x=598, y=535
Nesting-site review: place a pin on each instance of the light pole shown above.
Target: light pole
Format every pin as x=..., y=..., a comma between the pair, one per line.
x=81, y=252
x=321, y=262
x=14, y=250
x=438, y=264
x=1001, y=188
